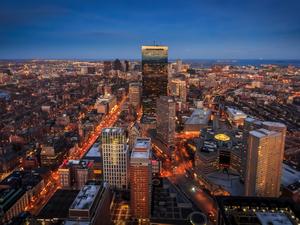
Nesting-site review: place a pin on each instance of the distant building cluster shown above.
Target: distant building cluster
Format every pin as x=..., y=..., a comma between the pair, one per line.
x=155, y=141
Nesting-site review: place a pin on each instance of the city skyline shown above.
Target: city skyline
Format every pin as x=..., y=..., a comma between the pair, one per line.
x=147, y=142
x=150, y=112
x=193, y=30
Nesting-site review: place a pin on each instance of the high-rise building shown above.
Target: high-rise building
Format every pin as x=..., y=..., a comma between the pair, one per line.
x=178, y=66
x=140, y=178
x=134, y=131
x=249, y=125
x=107, y=66
x=264, y=160
x=155, y=78
x=177, y=88
x=166, y=114
x=115, y=157
x=135, y=92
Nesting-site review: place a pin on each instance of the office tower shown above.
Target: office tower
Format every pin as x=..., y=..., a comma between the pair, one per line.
x=178, y=66
x=115, y=157
x=155, y=78
x=140, y=178
x=279, y=127
x=127, y=66
x=107, y=66
x=177, y=88
x=166, y=114
x=84, y=70
x=117, y=65
x=134, y=131
x=264, y=162
x=249, y=125
x=135, y=92
x=88, y=70
x=254, y=124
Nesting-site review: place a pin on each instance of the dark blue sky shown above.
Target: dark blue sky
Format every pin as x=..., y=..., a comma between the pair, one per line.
x=223, y=29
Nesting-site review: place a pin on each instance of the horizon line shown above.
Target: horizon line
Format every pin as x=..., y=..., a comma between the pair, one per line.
x=138, y=59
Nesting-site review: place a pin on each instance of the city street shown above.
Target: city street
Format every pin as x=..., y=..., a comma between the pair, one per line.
x=108, y=121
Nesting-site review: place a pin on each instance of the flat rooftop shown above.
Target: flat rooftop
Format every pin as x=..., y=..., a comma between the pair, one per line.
x=236, y=112
x=83, y=163
x=85, y=198
x=94, y=151
x=113, y=130
x=274, y=124
x=76, y=222
x=141, y=149
x=267, y=218
x=142, y=143
x=260, y=133
x=168, y=203
x=230, y=183
x=289, y=175
x=237, y=210
x=140, y=155
x=155, y=47
x=199, y=116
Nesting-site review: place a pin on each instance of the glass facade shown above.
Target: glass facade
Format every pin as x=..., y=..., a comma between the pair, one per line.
x=155, y=76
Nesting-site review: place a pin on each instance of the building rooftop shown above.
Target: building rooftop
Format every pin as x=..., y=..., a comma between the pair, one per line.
x=15, y=186
x=267, y=218
x=9, y=196
x=289, y=175
x=141, y=149
x=260, y=133
x=78, y=163
x=236, y=114
x=142, y=143
x=76, y=222
x=199, y=116
x=257, y=210
x=94, y=151
x=230, y=183
x=141, y=155
x=113, y=130
x=86, y=197
x=169, y=205
x=156, y=47
x=274, y=124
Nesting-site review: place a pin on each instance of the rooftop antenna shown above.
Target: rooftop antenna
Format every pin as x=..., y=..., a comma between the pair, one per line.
x=154, y=43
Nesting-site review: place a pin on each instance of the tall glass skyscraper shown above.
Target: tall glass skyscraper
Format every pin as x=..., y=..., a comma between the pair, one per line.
x=155, y=78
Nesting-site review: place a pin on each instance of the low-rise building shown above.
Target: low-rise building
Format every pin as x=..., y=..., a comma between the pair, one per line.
x=105, y=104
x=17, y=191
x=92, y=205
x=198, y=120
x=73, y=174
x=256, y=210
x=236, y=117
